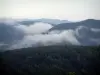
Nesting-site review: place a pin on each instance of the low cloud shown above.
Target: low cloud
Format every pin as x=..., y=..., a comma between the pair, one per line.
x=87, y=36
x=36, y=28
x=22, y=36
x=65, y=37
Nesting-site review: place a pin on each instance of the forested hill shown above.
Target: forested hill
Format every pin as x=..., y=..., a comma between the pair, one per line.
x=51, y=60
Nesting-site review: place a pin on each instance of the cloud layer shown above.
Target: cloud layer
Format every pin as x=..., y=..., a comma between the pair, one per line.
x=65, y=37
x=13, y=35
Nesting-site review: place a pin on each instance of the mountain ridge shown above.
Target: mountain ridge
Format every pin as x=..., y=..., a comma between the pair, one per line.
x=72, y=25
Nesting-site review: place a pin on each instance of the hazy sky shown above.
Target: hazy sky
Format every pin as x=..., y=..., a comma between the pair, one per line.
x=60, y=9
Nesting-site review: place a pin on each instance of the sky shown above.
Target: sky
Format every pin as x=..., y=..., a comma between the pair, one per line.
x=55, y=9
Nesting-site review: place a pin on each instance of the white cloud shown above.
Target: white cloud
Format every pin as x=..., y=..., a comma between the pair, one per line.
x=21, y=36
x=95, y=29
x=82, y=31
x=36, y=28
x=65, y=37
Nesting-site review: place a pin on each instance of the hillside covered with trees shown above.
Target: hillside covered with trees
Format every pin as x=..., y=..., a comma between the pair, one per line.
x=51, y=60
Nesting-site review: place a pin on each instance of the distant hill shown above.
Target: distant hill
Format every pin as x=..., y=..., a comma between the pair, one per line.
x=30, y=21
x=91, y=23
x=52, y=21
x=87, y=32
x=44, y=20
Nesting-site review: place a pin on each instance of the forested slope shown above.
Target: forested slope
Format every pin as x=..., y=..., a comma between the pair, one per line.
x=51, y=60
